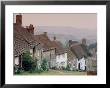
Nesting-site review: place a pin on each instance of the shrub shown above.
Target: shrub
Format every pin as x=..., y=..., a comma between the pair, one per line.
x=45, y=65
x=74, y=69
x=17, y=70
x=28, y=63
x=68, y=68
x=39, y=70
x=63, y=68
x=54, y=68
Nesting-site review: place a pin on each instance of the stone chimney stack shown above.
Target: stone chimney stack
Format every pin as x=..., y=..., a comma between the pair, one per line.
x=70, y=43
x=30, y=28
x=84, y=41
x=54, y=38
x=45, y=33
x=19, y=19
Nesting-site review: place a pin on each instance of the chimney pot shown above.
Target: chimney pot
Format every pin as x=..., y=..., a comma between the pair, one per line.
x=54, y=38
x=19, y=19
x=30, y=28
x=70, y=43
x=45, y=33
x=84, y=41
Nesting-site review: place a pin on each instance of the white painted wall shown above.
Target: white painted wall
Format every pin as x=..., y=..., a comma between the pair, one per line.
x=31, y=52
x=82, y=64
x=16, y=60
x=53, y=62
x=61, y=60
x=73, y=63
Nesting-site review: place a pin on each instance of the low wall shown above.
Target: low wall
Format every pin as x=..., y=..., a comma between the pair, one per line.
x=91, y=72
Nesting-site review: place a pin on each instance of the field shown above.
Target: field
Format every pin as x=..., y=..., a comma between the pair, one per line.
x=56, y=72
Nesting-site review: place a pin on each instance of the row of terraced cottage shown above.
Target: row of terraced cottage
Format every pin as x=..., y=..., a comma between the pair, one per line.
x=40, y=47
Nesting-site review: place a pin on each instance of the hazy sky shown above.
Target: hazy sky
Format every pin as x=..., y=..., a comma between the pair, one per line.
x=82, y=21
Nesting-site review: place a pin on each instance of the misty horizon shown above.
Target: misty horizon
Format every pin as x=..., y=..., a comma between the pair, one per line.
x=67, y=33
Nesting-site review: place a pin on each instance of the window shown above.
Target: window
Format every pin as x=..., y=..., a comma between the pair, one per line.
x=62, y=63
x=31, y=51
x=58, y=56
x=63, y=55
x=16, y=60
x=38, y=53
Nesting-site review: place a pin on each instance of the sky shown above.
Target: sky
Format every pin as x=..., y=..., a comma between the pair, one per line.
x=81, y=21
x=80, y=25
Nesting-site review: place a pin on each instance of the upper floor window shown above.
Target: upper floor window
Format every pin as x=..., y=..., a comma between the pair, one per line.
x=58, y=56
x=62, y=63
x=63, y=55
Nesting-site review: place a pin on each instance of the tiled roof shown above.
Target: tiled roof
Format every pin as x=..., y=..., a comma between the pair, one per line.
x=59, y=47
x=20, y=45
x=78, y=51
x=70, y=55
x=23, y=40
x=45, y=41
x=28, y=37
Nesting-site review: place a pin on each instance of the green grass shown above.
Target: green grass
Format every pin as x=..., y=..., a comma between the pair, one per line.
x=55, y=72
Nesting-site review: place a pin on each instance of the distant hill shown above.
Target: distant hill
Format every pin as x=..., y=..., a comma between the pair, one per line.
x=67, y=33
x=94, y=45
x=62, y=38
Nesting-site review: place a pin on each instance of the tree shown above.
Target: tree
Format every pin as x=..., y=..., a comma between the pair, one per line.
x=28, y=62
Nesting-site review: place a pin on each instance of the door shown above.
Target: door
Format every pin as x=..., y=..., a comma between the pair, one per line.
x=79, y=66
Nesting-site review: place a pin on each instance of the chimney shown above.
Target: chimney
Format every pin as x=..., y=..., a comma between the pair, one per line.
x=30, y=28
x=84, y=41
x=19, y=19
x=27, y=27
x=70, y=43
x=45, y=33
x=54, y=38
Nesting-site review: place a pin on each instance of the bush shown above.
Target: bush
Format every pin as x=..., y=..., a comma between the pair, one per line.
x=68, y=68
x=45, y=65
x=17, y=70
x=63, y=68
x=54, y=68
x=38, y=70
x=28, y=63
x=75, y=69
